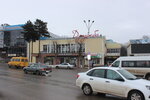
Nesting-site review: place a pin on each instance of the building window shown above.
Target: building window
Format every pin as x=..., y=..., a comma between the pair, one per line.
x=64, y=48
x=113, y=50
x=58, y=48
x=72, y=48
x=96, y=61
x=83, y=47
x=45, y=48
x=52, y=48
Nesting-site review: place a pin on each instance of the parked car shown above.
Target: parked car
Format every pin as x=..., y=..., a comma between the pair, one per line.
x=65, y=65
x=114, y=81
x=37, y=68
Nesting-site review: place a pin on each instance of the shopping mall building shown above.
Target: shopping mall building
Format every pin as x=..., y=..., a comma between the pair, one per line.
x=71, y=50
x=59, y=50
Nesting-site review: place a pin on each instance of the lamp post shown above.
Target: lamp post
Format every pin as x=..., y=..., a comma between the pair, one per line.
x=88, y=25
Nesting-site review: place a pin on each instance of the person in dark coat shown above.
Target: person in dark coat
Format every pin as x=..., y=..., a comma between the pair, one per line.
x=92, y=64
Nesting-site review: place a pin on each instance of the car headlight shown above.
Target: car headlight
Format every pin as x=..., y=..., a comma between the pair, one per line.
x=148, y=87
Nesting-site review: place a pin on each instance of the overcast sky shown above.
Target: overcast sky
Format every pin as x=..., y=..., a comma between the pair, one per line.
x=120, y=20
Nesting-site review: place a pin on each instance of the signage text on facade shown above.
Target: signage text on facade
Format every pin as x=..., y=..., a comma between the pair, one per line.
x=76, y=34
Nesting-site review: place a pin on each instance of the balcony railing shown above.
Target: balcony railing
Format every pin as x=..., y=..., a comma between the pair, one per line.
x=53, y=52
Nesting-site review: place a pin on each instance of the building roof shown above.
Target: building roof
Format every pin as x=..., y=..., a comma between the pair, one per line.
x=110, y=44
x=140, y=41
x=52, y=36
x=113, y=45
x=19, y=27
x=12, y=27
x=66, y=38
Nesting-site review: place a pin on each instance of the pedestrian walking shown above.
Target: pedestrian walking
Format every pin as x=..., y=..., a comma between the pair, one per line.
x=92, y=64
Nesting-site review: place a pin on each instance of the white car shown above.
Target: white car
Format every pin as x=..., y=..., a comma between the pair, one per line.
x=114, y=81
x=65, y=65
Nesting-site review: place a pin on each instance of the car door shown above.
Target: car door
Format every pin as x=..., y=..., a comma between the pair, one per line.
x=115, y=83
x=62, y=65
x=65, y=65
x=97, y=80
x=29, y=69
x=33, y=68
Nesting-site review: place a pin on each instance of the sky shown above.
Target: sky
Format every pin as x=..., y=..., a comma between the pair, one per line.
x=119, y=20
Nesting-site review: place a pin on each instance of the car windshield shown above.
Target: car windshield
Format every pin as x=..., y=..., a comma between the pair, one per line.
x=127, y=74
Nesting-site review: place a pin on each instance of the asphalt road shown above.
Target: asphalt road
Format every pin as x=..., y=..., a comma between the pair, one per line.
x=59, y=85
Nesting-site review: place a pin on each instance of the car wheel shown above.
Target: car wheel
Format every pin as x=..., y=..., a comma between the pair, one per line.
x=38, y=73
x=148, y=77
x=25, y=71
x=87, y=90
x=68, y=67
x=57, y=67
x=135, y=95
x=9, y=66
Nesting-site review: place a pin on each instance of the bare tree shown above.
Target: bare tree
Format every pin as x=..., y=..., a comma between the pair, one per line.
x=55, y=45
x=79, y=40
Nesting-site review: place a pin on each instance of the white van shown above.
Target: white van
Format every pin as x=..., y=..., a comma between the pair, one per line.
x=138, y=65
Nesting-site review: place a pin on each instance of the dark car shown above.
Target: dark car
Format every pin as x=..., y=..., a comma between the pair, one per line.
x=37, y=68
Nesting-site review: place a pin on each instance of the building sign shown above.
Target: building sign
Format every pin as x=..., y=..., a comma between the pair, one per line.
x=1, y=39
x=76, y=34
x=94, y=55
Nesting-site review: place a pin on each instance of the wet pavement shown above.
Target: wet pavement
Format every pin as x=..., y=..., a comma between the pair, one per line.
x=58, y=85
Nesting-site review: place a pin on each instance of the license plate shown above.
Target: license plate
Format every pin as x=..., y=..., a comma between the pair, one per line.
x=47, y=71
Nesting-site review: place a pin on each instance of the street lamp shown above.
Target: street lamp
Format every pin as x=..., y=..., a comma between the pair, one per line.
x=88, y=25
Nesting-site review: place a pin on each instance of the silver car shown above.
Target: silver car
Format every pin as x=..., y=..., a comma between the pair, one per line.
x=37, y=68
x=65, y=65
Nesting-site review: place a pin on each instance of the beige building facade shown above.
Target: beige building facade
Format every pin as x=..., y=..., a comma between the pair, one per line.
x=69, y=50
x=113, y=51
